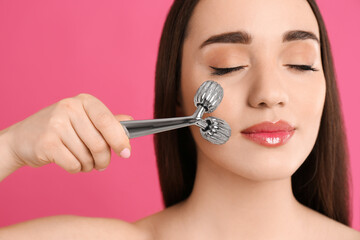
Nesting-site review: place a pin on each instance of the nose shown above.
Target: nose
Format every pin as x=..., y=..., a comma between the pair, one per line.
x=268, y=90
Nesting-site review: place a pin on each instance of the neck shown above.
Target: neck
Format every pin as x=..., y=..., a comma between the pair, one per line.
x=227, y=203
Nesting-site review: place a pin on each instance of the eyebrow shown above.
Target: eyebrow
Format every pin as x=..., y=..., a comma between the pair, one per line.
x=243, y=37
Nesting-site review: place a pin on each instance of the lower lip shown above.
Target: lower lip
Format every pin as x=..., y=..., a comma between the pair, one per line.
x=270, y=139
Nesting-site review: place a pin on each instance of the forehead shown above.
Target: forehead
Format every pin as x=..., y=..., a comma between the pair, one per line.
x=263, y=19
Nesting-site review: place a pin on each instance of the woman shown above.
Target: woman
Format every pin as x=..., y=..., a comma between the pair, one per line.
x=274, y=63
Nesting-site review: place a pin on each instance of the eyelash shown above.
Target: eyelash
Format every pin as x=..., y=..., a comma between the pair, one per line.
x=223, y=71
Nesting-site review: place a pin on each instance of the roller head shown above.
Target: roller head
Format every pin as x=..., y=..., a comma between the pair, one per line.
x=217, y=131
x=209, y=95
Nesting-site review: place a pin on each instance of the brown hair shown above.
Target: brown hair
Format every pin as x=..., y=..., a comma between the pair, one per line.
x=321, y=182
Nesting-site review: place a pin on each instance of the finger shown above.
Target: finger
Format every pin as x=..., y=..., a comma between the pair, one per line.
x=92, y=138
x=122, y=117
x=106, y=123
x=77, y=147
x=60, y=155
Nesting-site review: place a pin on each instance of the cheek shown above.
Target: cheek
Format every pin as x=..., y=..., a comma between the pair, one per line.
x=308, y=107
x=309, y=112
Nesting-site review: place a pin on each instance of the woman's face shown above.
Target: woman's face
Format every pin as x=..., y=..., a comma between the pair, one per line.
x=266, y=89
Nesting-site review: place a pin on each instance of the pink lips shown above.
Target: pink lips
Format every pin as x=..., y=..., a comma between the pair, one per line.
x=270, y=134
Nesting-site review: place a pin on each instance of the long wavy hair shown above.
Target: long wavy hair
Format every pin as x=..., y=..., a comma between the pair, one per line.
x=321, y=182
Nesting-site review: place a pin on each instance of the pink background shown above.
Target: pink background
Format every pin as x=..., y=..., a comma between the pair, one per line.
x=50, y=50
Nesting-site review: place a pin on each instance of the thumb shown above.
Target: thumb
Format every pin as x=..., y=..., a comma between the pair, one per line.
x=122, y=117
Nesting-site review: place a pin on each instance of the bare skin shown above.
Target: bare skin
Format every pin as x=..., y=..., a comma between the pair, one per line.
x=242, y=190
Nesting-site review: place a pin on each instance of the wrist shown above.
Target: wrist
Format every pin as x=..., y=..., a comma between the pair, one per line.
x=8, y=163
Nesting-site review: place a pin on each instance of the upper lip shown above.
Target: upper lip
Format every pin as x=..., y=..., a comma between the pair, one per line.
x=267, y=126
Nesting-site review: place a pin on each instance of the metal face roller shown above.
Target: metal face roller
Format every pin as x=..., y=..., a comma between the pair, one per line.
x=207, y=98
x=217, y=131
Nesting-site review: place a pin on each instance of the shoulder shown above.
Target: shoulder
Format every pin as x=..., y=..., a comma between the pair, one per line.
x=75, y=227
x=324, y=227
x=111, y=228
x=337, y=230
x=165, y=224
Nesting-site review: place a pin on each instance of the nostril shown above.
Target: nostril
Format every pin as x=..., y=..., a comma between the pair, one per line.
x=262, y=104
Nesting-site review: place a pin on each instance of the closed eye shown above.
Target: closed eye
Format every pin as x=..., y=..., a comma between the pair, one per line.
x=302, y=67
x=222, y=71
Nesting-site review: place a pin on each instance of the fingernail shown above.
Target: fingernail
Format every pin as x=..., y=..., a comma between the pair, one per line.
x=102, y=169
x=125, y=153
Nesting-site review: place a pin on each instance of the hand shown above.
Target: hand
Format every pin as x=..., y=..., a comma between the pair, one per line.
x=75, y=133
